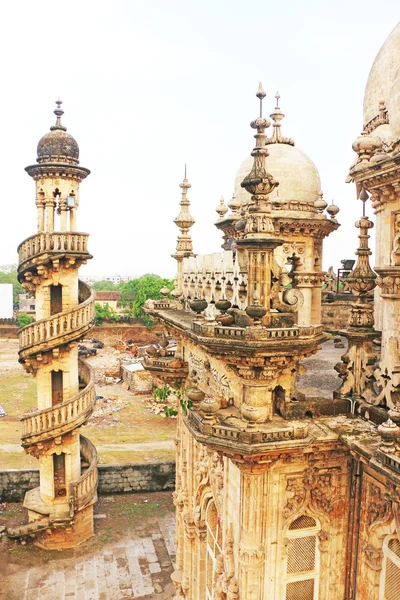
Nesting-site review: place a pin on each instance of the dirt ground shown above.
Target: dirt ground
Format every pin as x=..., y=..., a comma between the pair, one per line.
x=130, y=556
x=123, y=427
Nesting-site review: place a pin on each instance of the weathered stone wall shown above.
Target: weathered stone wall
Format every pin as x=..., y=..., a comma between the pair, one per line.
x=8, y=331
x=140, y=477
x=335, y=315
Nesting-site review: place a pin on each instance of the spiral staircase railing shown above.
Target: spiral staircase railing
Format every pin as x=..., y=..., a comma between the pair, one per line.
x=37, y=253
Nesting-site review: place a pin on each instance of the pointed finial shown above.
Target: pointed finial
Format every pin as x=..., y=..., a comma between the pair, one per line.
x=221, y=208
x=59, y=113
x=185, y=171
x=261, y=95
x=277, y=116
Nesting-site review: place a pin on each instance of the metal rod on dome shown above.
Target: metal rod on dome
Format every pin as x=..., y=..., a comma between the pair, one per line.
x=185, y=170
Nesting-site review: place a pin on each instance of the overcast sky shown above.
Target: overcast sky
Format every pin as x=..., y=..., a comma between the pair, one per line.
x=149, y=85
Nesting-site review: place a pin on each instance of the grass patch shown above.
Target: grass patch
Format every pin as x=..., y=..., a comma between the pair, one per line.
x=112, y=458
x=17, y=460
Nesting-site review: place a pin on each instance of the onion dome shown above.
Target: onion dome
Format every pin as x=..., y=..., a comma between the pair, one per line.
x=234, y=204
x=332, y=210
x=58, y=146
x=381, y=85
x=298, y=176
x=221, y=208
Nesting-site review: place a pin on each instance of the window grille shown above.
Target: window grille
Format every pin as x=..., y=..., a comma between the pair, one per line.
x=302, y=563
x=300, y=590
x=303, y=522
x=214, y=544
x=301, y=554
x=390, y=577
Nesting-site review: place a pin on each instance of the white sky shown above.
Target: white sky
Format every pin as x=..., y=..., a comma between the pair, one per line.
x=149, y=85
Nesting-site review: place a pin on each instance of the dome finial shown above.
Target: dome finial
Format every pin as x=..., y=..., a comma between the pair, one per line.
x=277, y=116
x=261, y=95
x=59, y=113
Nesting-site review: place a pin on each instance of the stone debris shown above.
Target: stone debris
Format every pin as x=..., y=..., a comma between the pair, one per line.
x=2, y=411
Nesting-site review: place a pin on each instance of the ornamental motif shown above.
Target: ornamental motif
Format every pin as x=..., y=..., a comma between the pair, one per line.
x=378, y=506
x=314, y=488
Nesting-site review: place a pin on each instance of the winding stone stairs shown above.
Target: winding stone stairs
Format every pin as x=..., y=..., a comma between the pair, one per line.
x=39, y=256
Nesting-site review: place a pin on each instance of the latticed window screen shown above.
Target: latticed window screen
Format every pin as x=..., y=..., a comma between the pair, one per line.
x=390, y=578
x=214, y=543
x=302, y=565
x=300, y=590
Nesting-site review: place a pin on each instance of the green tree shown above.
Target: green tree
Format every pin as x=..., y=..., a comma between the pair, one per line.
x=24, y=319
x=105, y=286
x=8, y=274
x=149, y=288
x=105, y=313
x=128, y=291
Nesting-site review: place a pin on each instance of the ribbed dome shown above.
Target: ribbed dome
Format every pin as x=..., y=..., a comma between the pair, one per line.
x=58, y=145
x=297, y=175
x=382, y=76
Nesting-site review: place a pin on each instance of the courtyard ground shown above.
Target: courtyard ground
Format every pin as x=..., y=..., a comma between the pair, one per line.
x=130, y=556
x=123, y=427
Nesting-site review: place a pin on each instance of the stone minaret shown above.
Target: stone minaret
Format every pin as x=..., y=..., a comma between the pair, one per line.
x=184, y=245
x=61, y=509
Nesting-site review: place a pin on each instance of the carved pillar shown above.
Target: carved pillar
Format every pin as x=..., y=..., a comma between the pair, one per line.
x=50, y=204
x=388, y=373
x=63, y=217
x=252, y=532
x=356, y=370
x=72, y=219
x=303, y=282
x=40, y=216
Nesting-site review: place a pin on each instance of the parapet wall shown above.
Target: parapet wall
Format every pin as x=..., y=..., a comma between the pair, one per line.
x=113, y=479
x=335, y=315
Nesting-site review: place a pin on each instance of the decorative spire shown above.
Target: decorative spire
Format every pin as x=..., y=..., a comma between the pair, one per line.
x=59, y=113
x=184, y=221
x=277, y=116
x=259, y=183
x=221, y=208
x=362, y=278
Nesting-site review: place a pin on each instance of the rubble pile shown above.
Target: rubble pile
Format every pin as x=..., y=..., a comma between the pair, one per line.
x=106, y=412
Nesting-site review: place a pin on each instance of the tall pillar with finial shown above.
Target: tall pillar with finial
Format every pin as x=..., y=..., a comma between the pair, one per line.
x=60, y=510
x=259, y=240
x=184, y=245
x=357, y=368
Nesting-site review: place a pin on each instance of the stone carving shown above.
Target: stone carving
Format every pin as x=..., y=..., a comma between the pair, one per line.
x=378, y=506
x=373, y=557
x=315, y=488
x=395, y=254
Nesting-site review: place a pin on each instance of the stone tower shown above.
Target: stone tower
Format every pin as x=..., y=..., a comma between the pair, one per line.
x=61, y=509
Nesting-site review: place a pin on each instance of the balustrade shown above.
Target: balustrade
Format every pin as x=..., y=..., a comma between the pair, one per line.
x=61, y=323
x=52, y=242
x=83, y=489
x=215, y=276
x=59, y=416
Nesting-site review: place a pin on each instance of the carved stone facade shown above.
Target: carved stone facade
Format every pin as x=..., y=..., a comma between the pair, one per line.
x=270, y=502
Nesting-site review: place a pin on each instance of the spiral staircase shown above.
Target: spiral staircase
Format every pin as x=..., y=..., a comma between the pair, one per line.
x=40, y=256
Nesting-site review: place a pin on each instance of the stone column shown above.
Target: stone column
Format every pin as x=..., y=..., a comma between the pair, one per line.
x=50, y=204
x=72, y=219
x=40, y=216
x=252, y=532
x=303, y=284
x=63, y=218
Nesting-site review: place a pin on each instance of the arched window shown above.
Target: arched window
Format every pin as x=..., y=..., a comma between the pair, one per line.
x=390, y=576
x=214, y=544
x=302, y=562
